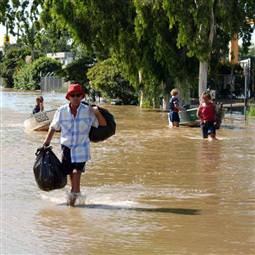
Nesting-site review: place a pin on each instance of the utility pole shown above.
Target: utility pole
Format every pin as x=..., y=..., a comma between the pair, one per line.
x=246, y=70
x=233, y=51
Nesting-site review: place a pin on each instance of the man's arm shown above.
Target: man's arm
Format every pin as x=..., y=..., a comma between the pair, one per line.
x=49, y=137
x=100, y=117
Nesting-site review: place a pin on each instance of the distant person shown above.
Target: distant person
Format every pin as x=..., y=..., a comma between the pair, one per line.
x=42, y=105
x=207, y=114
x=174, y=109
x=74, y=120
x=39, y=105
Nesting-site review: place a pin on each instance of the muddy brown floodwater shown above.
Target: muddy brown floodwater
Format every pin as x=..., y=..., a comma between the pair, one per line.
x=148, y=190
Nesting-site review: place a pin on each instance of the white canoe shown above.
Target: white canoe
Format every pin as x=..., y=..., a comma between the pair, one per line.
x=39, y=121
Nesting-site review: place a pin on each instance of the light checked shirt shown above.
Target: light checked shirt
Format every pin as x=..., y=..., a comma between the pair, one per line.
x=75, y=130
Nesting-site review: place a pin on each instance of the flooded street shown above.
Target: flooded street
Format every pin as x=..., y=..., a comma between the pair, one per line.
x=149, y=189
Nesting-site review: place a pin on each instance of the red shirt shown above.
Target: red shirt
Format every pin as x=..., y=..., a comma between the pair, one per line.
x=207, y=112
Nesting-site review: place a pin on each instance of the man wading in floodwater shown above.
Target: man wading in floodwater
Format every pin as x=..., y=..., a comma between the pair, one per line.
x=74, y=120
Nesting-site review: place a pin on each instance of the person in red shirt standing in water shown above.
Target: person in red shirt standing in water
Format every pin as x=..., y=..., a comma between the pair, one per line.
x=207, y=114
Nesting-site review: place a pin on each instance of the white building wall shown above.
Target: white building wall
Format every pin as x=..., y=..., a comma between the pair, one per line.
x=64, y=58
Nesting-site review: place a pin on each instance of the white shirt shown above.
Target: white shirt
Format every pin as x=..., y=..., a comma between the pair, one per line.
x=75, y=130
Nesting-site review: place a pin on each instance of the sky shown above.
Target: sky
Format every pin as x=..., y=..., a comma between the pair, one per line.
x=2, y=32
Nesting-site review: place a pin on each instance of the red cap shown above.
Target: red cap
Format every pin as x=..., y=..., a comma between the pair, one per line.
x=74, y=88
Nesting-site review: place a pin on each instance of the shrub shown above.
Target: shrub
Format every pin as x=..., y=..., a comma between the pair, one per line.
x=29, y=75
x=76, y=71
x=23, y=78
x=106, y=78
x=13, y=58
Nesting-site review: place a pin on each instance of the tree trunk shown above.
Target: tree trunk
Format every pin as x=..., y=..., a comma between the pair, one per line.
x=233, y=51
x=140, y=79
x=203, y=65
x=141, y=98
x=166, y=102
x=203, y=71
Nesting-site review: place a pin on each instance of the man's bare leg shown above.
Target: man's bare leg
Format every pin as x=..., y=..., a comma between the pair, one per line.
x=175, y=124
x=212, y=137
x=75, y=178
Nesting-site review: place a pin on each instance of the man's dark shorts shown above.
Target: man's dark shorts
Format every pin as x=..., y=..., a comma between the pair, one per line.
x=67, y=164
x=207, y=129
x=174, y=116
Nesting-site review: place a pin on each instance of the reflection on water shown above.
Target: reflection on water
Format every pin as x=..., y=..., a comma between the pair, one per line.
x=149, y=189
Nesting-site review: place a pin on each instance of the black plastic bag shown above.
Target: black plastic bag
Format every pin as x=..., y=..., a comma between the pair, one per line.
x=48, y=170
x=102, y=133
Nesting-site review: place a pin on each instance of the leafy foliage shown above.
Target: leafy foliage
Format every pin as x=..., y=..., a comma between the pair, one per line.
x=7, y=14
x=53, y=39
x=28, y=77
x=21, y=20
x=194, y=20
x=44, y=65
x=162, y=40
x=246, y=53
x=13, y=59
x=106, y=77
x=23, y=78
x=201, y=23
x=136, y=33
x=77, y=70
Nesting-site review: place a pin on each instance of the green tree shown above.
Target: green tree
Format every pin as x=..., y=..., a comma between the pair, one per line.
x=245, y=53
x=14, y=58
x=53, y=39
x=3, y=8
x=21, y=19
x=252, y=51
x=44, y=65
x=198, y=22
x=28, y=26
x=23, y=78
x=7, y=14
x=54, y=35
x=106, y=78
x=76, y=71
x=136, y=33
x=165, y=63
x=29, y=75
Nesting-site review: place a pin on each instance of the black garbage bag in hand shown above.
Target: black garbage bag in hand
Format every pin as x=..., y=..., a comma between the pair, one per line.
x=102, y=133
x=48, y=170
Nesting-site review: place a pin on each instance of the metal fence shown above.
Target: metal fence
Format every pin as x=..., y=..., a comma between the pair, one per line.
x=52, y=83
x=228, y=86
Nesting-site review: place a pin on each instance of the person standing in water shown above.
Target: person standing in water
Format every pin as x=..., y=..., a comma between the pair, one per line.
x=207, y=114
x=74, y=120
x=174, y=109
